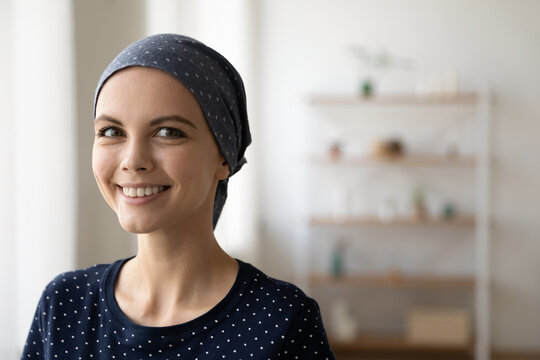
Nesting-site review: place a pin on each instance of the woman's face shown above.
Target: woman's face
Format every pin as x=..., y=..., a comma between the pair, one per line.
x=154, y=157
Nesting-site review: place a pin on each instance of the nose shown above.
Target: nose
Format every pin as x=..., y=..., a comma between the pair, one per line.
x=137, y=157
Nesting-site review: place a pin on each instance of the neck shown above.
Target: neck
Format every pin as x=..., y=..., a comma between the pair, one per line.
x=161, y=259
x=174, y=278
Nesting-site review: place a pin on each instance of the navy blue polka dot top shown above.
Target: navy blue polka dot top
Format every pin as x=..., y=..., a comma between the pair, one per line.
x=260, y=318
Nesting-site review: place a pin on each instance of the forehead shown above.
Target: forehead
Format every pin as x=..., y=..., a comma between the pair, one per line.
x=145, y=93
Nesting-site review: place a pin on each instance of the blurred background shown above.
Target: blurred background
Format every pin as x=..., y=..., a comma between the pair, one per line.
x=392, y=174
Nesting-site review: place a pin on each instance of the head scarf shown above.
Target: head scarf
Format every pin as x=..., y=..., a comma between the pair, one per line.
x=215, y=83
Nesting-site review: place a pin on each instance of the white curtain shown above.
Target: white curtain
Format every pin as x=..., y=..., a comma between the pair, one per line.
x=37, y=152
x=7, y=183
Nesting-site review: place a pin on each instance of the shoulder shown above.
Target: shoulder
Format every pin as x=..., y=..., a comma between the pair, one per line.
x=86, y=277
x=303, y=335
x=280, y=292
x=75, y=283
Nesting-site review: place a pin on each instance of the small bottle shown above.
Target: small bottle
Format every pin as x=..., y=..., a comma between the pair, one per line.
x=337, y=260
x=419, y=204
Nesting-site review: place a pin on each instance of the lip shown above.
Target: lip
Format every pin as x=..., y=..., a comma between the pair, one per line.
x=139, y=200
x=139, y=185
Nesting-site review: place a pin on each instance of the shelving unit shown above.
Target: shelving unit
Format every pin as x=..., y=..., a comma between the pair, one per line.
x=478, y=222
x=397, y=343
x=403, y=99
x=398, y=346
x=394, y=280
x=424, y=160
x=374, y=221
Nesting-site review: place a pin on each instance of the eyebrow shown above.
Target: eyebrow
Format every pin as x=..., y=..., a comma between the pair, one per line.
x=154, y=122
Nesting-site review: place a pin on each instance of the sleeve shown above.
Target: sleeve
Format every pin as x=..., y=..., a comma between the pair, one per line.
x=34, y=348
x=306, y=337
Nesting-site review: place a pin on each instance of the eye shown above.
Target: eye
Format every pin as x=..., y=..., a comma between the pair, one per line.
x=168, y=132
x=110, y=131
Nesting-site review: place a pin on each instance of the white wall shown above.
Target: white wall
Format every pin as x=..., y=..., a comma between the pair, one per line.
x=172, y=16
x=305, y=50
x=100, y=239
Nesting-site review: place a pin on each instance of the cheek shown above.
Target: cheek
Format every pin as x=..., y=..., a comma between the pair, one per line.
x=182, y=170
x=102, y=166
x=190, y=166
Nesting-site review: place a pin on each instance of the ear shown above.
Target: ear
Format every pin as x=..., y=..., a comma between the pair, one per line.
x=223, y=170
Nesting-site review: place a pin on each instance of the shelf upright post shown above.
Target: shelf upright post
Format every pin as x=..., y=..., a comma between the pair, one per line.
x=482, y=236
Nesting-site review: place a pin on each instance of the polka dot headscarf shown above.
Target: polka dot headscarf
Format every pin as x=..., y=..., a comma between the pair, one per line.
x=213, y=81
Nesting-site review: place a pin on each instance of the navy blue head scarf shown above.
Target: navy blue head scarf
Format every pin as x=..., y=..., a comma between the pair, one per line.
x=213, y=81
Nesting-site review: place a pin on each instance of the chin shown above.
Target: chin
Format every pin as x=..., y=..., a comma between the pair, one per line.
x=137, y=227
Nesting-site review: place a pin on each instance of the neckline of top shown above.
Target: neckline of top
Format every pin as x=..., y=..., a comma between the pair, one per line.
x=184, y=330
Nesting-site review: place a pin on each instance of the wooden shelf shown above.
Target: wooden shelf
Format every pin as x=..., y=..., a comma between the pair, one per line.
x=350, y=112
x=374, y=221
x=403, y=160
x=396, y=344
x=394, y=280
x=397, y=99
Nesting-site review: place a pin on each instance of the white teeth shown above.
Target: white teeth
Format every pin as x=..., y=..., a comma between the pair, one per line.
x=142, y=191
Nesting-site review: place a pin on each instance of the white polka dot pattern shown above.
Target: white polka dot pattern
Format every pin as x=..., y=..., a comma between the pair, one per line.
x=260, y=318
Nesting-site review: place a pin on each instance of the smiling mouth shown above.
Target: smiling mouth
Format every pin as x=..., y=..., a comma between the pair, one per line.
x=139, y=192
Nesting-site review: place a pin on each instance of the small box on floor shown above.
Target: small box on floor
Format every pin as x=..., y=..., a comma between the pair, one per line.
x=438, y=326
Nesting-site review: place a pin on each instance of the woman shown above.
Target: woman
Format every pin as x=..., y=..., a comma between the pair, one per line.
x=171, y=128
